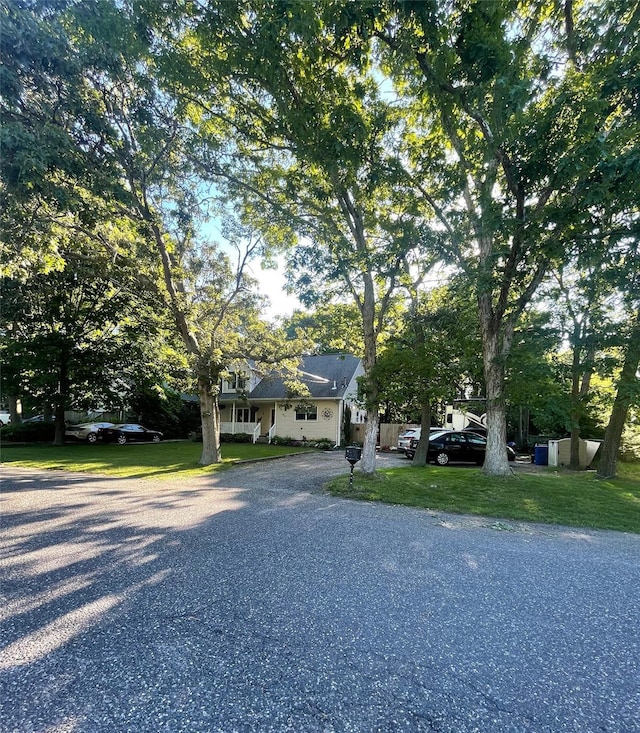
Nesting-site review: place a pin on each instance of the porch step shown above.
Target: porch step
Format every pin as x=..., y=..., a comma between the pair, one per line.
x=262, y=439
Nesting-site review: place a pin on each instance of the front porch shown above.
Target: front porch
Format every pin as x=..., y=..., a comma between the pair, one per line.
x=252, y=428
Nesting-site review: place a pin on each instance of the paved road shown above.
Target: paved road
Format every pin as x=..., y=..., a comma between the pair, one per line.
x=256, y=603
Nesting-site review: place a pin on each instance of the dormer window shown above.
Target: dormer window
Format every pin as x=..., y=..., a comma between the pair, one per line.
x=238, y=381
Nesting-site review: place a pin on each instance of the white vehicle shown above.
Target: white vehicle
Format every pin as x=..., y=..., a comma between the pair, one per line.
x=5, y=417
x=86, y=431
x=404, y=441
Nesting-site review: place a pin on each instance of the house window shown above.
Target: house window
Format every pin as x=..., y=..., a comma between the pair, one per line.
x=237, y=380
x=243, y=414
x=306, y=412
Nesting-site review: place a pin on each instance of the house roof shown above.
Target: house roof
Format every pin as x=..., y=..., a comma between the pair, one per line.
x=326, y=376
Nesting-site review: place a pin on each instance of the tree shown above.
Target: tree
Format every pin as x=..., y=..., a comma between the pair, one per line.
x=500, y=135
x=316, y=144
x=72, y=336
x=114, y=116
x=627, y=394
x=536, y=377
x=56, y=167
x=333, y=328
x=433, y=357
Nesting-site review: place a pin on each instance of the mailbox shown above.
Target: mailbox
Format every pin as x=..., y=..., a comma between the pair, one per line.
x=353, y=454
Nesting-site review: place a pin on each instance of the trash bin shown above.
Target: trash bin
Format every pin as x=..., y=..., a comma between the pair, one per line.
x=541, y=455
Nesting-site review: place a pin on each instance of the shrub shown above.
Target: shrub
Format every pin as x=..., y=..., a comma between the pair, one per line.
x=243, y=438
x=283, y=440
x=32, y=432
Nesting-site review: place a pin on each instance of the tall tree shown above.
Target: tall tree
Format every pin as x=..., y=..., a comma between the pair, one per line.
x=503, y=129
x=628, y=393
x=73, y=336
x=112, y=116
x=56, y=165
x=332, y=329
x=316, y=142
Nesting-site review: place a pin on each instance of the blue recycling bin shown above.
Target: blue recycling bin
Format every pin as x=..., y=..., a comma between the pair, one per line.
x=541, y=455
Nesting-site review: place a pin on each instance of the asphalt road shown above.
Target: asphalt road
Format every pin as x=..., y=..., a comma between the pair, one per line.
x=257, y=603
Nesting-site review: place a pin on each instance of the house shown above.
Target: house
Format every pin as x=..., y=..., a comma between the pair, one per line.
x=261, y=406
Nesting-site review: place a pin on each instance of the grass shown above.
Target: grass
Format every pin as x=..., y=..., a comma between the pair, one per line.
x=577, y=499
x=165, y=460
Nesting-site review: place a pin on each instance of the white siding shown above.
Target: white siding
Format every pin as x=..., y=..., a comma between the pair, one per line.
x=324, y=427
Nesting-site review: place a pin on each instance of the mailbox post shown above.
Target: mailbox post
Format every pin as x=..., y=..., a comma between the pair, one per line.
x=353, y=454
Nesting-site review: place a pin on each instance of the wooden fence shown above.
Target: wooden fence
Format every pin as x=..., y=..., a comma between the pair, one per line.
x=390, y=432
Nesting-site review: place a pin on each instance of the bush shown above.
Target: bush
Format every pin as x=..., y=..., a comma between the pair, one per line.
x=163, y=409
x=284, y=440
x=630, y=448
x=236, y=437
x=31, y=432
x=196, y=436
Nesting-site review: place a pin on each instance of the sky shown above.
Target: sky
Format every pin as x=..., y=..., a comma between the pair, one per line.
x=272, y=284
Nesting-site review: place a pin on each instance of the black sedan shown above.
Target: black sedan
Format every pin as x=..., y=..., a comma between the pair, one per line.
x=129, y=432
x=459, y=446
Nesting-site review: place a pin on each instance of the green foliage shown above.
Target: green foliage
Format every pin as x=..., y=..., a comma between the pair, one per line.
x=160, y=409
x=34, y=432
x=630, y=449
x=322, y=443
x=331, y=329
x=236, y=438
x=284, y=440
x=434, y=358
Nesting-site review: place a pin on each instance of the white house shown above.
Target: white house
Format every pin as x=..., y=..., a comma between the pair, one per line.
x=262, y=407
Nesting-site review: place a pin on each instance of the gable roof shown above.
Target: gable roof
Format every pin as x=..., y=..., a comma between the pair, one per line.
x=326, y=376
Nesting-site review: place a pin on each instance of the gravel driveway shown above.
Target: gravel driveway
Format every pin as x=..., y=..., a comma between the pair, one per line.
x=254, y=602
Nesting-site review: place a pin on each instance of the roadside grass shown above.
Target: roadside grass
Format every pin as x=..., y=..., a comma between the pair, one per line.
x=164, y=460
x=552, y=496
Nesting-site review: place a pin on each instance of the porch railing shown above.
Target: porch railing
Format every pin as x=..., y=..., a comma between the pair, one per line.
x=240, y=427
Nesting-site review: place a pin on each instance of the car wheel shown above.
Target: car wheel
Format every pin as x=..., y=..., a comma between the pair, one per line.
x=122, y=439
x=156, y=438
x=92, y=437
x=442, y=458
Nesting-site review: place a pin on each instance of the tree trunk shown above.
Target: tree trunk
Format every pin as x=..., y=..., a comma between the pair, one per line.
x=15, y=410
x=61, y=401
x=574, y=416
x=210, y=419
x=496, y=462
x=370, y=338
x=627, y=389
x=420, y=457
x=368, y=465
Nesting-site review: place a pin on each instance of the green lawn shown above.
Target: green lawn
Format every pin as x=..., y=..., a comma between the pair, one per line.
x=553, y=496
x=157, y=460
